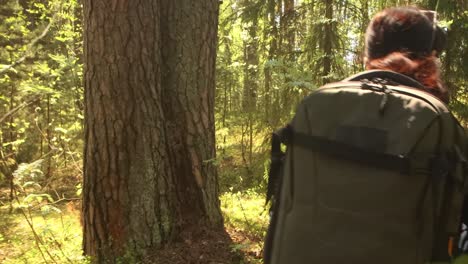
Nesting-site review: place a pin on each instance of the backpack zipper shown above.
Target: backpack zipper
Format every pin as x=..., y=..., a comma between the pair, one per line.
x=380, y=87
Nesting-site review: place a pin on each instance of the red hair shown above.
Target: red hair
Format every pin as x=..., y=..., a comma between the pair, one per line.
x=406, y=41
x=423, y=69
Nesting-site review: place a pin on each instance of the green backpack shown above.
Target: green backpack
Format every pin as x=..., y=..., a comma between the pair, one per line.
x=374, y=172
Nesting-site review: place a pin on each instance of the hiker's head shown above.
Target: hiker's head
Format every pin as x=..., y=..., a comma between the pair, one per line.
x=407, y=40
x=404, y=29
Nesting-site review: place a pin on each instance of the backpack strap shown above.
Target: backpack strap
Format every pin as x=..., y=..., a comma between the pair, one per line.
x=349, y=152
x=282, y=135
x=439, y=165
x=450, y=241
x=398, y=78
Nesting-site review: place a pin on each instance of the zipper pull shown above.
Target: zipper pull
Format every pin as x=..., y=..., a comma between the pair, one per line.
x=381, y=87
x=384, y=101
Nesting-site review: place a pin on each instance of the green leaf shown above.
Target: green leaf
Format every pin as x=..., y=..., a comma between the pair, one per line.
x=61, y=130
x=14, y=143
x=46, y=209
x=31, y=184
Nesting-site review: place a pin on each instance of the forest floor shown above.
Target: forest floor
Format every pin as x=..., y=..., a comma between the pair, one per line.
x=52, y=234
x=232, y=246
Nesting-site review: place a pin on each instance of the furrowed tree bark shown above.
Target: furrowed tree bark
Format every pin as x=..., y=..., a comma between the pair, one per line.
x=188, y=82
x=127, y=181
x=149, y=124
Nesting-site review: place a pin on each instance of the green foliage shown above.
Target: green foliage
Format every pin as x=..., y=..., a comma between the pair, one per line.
x=52, y=234
x=58, y=229
x=291, y=51
x=237, y=172
x=41, y=90
x=290, y=65
x=270, y=56
x=29, y=174
x=245, y=212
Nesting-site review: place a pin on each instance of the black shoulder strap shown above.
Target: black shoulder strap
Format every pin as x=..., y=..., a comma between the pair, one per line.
x=352, y=153
x=439, y=165
x=282, y=135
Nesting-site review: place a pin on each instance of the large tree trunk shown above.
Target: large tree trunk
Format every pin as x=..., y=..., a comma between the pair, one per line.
x=128, y=200
x=149, y=124
x=189, y=57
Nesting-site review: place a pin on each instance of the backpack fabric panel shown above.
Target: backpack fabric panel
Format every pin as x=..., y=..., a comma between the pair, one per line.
x=338, y=210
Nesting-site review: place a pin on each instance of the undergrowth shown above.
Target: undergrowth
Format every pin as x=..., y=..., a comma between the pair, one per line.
x=28, y=235
x=59, y=233
x=245, y=211
x=246, y=220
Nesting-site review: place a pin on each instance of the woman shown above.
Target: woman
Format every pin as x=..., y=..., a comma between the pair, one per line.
x=407, y=40
x=360, y=180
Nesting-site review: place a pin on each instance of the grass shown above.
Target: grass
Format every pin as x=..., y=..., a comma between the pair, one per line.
x=58, y=240
x=59, y=231
x=246, y=220
x=245, y=211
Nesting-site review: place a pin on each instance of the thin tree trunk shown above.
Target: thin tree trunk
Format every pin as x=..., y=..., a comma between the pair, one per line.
x=251, y=135
x=228, y=80
x=358, y=64
x=250, y=85
x=9, y=149
x=11, y=128
x=49, y=139
x=289, y=29
x=276, y=98
x=289, y=39
x=40, y=124
x=272, y=33
x=327, y=48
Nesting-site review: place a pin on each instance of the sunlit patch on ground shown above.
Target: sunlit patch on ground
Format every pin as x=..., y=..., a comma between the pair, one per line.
x=40, y=236
x=59, y=233
x=246, y=221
